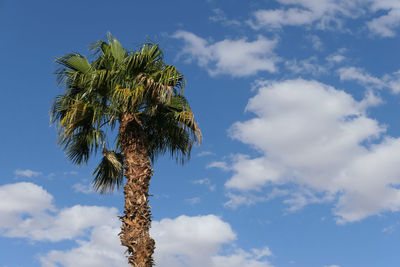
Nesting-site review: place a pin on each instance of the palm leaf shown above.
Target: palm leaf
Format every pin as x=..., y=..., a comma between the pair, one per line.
x=109, y=173
x=99, y=92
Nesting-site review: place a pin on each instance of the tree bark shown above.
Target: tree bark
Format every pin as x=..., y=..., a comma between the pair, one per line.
x=137, y=219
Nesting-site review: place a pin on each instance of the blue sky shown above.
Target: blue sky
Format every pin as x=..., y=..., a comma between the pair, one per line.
x=297, y=101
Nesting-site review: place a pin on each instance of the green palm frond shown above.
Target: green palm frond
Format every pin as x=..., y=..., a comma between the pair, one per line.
x=171, y=128
x=108, y=175
x=70, y=64
x=116, y=49
x=75, y=62
x=81, y=144
x=184, y=115
x=98, y=93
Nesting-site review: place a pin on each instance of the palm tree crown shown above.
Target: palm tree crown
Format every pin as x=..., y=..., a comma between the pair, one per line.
x=116, y=83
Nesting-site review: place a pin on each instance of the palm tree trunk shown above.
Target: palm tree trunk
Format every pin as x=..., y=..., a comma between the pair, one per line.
x=137, y=219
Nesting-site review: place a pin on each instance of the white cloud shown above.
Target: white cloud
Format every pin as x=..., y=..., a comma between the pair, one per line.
x=219, y=16
x=236, y=200
x=239, y=259
x=192, y=237
x=181, y=242
x=29, y=213
x=218, y=164
x=315, y=66
x=307, y=66
x=278, y=17
x=323, y=13
x=316, y=42
x=391, y=228
x=71, y=222
x=238, y=58
x=193, y=200
x=314, y=136
x=83, y=188
x=205, y=153
x=197, y=241
x=353, y=73
x=26, y=173
x=390, y=81
x=327, y=13
x=332, y=265
x=22, y=198
x=207, y=182
x=255, y=170
x=103, y=249
x=71, y=173
x=385, y=25
x=337, y=57
x=260, y=253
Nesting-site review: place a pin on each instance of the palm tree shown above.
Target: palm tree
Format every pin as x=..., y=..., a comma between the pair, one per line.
x=143, y=96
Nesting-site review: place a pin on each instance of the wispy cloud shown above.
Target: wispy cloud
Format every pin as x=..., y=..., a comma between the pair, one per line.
x=337, y=57
x=219, y=165
x=205, y=153
x=193, y=200
x=26, y=173
x=220, y=17
x=83, y=188
x=206, y=182
x=391, y=228
x=306, y=66
x=390, y=81
x=70, y=173
x=316, y=42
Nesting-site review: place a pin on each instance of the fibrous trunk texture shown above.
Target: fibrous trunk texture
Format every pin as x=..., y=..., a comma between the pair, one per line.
x=137, y=219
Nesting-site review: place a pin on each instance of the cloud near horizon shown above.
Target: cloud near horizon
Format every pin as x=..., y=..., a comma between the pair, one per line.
x=183, y=241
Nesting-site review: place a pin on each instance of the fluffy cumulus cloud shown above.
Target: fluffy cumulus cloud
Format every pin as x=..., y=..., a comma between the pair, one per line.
x=237, y=58
x=197, y=241
x=22, y=198
x=29, y=213
x=184, y=241
x=102, y=249
x=321, y=140
x=330, y=13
